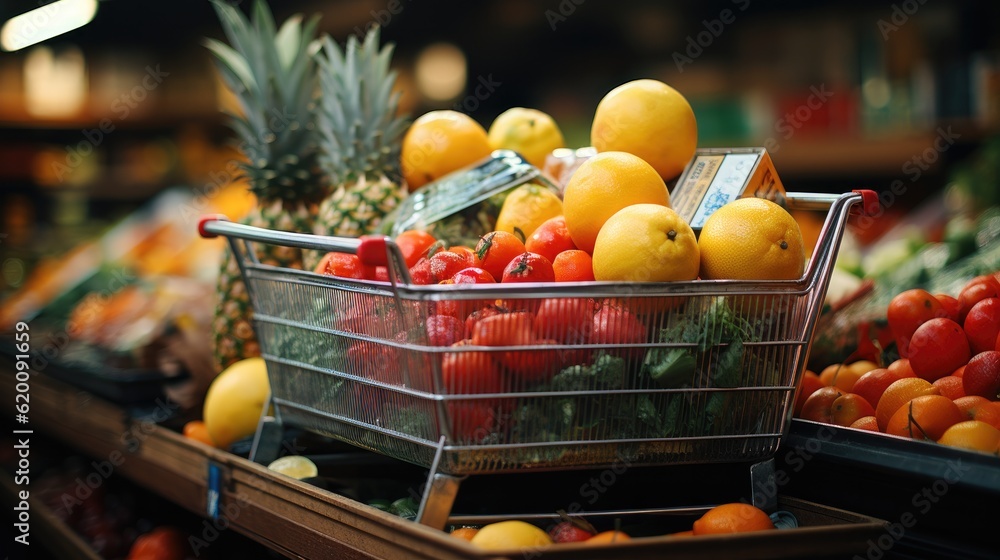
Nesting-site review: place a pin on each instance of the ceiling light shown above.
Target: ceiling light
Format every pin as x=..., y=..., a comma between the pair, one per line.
x=45, y=23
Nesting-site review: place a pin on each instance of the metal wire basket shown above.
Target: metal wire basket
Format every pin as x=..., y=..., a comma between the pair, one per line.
x=562, y=375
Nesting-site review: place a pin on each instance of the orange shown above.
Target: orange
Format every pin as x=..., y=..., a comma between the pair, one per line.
x=608, y=537
x=197, y=431
x=899, y=393
x=843, y=376
x=970, y=405
x=925, y=417
x=464, y=533
x=573, y=266
x=735, y=517
x=973, y=435
x=751, y=239
x=529, y=132
x=950, y=386
x=603, y=185
x=646, y=243
x=650, y=119
x=865, y=423
x=809, y=384
x=902, y=368
x=438, y=143
x=527, y=207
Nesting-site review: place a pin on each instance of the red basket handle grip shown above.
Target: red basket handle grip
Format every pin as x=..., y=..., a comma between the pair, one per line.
x=205, y=220
x=870, y=205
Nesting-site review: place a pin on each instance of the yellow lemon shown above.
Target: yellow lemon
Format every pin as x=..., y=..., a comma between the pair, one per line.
x=438, y=143
x=528, y=207
x=529, y=132
x=751, y=239
x=295, y=466
x=650, y=119
x=506, y=535
x=646, y=243
x=603, y=185
x=234, y=401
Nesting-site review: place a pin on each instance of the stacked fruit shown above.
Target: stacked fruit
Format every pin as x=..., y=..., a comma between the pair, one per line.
x=730, y=518
x=945, y=387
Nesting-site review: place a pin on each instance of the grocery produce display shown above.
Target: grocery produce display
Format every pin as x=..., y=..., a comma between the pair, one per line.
x=459, y=301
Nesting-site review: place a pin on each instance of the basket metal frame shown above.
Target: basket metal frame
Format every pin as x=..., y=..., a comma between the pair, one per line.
x=443, y=482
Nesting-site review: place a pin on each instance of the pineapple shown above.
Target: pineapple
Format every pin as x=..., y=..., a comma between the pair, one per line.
x=360, y=138
x=273, y=75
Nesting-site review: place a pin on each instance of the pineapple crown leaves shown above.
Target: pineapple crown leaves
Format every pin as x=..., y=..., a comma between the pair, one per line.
x=360, y=130
x=272, y=72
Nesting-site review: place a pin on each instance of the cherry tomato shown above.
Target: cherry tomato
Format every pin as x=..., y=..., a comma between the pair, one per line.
x=550, y=238
x=496, y=249
x=566, y=320
x=471, y=259
x=529, y=267
x=506, y=329
x=982, y=324
x=344, y=265
x=528, y=367
x=469, y=373
x=379, y=362
x=414, y=245
x=978, y=289
x=937, y=348
x=614, y=325
x=444, y=330
x=481, y=313
x=570, y=531
x=473, y=275
x=951, y=307
x=445, y=264
x=907, y=311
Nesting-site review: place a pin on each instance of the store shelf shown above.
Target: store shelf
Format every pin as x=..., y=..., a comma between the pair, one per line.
x=301, y=520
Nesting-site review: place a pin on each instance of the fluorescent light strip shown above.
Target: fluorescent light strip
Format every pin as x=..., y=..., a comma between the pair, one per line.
x=45, y=23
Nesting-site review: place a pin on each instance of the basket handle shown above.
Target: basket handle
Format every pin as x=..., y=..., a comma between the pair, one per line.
x=373, y=250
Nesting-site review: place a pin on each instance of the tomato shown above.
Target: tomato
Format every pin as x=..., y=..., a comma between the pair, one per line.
x=951, y=307
x=482, y=313
x=471, y=259
x=414, y=245
x=162, y=543
x=444, y=330
x=473, y=275
x=379, y=362
x=982, y=324
x=531, y=366
x=567, y=320
x=197, y=431
x=978, y=289
x=468, y=373
x=937, y=348
x=381, y=274
x=550, y=238
x=445, y=264
x=529, y=267
x=571, y=531
x=907, y=311
x=344, y=265
x=420, y=272
x=361, y=318
x=982, y=375
x=506, y=329
x=496, y=249
x=614, y=325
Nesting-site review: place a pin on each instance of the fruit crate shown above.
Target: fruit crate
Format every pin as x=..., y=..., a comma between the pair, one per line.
x=642, y=373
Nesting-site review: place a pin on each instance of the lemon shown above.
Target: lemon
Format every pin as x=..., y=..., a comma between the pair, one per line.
x=603, y=185
x=529, y=132
x=751, y=239
x=506, y=535
x=650, y=119
x=528, y=207
x=295, y=466
x=646, y=243
x=234, y=401
x=438, y=143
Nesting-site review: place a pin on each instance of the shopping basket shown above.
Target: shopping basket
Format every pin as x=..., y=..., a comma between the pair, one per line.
x=546, y=375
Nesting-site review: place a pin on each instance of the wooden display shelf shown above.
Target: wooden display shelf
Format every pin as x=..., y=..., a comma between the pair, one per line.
x=47, y=529
x=300, y=520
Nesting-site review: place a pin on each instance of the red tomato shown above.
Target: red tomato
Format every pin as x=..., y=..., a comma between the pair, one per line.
x=496, y=249
x=473, y=275
x=614, y=325
x=344, y=265
x=982, y=375
x=907, y=311
x=469, y=373
x=978, y=289
x=381, y=274
x=471, y=259
x=162, y=543
x=506, y=329
x=982, y=324
x=414, y=245
x=482, y=313
x=550, y=238
x=571, y=531
x=444, y=330
x=951, y=307
x=529, y=267
x=420, y=272
x=566, y=320
x=532, y=366
x=445, y=264
x=379, y=362
x=937, y=348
